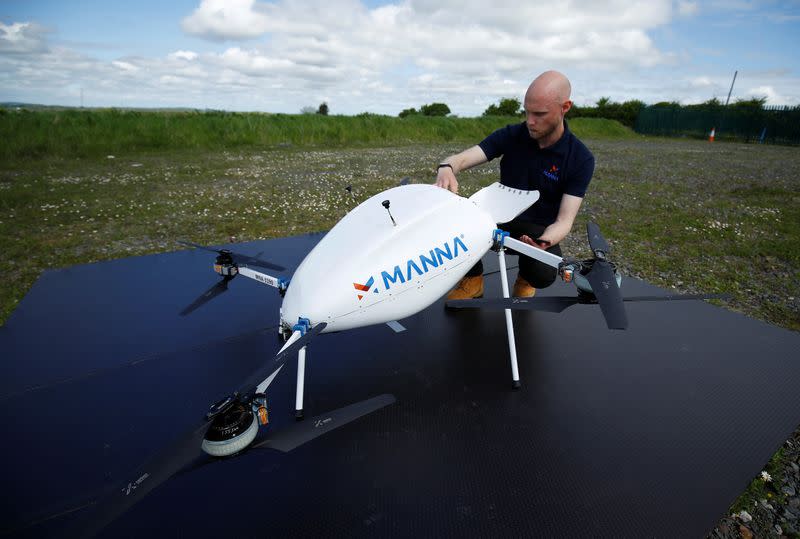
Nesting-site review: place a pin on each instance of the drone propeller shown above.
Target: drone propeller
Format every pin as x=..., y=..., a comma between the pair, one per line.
x=183, y=450
x=237, y=258
x=604, y=290
x=284, y=439
x=294, y=435
x=551, y=304
x=596, y=240
x=557, y=304
x=604, y=282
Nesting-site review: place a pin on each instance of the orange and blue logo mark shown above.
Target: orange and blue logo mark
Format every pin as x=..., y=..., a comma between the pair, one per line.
x=412, y=267
x=365, y=287
x=552, y=173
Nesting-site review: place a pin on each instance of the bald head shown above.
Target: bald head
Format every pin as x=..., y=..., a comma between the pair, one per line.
x=550, y=86
x=546, y=103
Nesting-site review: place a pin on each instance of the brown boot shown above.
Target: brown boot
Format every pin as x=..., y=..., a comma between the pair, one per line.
x=467, y=288
x=523, y=289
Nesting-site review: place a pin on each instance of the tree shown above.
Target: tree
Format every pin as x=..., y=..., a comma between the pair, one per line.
x=307, y=110
x=408, y=112
x=435, y=109
x=754, y=103
x=508, y=107
x=323, y=109
x=603, y=102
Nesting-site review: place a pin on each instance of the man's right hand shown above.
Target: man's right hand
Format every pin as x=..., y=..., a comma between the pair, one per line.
x=446, y=176
x=447, y=180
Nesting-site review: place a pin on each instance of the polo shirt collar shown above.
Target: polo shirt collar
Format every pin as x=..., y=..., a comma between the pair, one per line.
x=561, y=145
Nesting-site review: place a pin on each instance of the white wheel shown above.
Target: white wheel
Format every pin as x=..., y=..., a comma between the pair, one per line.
x=234, y=445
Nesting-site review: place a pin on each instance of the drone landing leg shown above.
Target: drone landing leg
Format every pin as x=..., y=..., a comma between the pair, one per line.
x=512, y=345
x=301, y=380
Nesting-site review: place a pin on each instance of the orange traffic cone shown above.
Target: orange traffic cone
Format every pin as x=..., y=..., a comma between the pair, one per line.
x=711, y=135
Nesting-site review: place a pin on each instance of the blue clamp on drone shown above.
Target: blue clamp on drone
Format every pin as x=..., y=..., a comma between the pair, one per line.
x=499, y=236
x=302, y=325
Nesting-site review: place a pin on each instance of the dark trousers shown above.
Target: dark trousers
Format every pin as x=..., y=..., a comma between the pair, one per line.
x=538, y=274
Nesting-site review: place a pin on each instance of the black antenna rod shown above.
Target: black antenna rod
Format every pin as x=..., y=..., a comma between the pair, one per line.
x=386, y=205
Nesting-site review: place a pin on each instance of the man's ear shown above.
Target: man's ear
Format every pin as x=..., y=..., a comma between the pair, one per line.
x=566, y=106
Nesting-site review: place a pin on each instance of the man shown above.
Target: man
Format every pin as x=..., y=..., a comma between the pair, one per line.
x=540, y=154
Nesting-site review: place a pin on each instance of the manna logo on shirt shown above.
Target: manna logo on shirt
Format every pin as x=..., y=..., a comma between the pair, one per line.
x=551, y=174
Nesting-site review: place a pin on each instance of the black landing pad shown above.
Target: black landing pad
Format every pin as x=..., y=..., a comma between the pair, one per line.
x=648, y=432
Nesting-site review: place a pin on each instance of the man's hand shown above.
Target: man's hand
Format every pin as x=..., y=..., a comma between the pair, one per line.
x=446, y=176
x=539, y=243
x=446, y=179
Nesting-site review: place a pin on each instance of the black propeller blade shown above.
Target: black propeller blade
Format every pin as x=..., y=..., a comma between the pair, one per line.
x=604, y=282
x=300, y=433
x=179, y=453
x=606, y=290
x=208, y=295
x=596, y=240
x=551, y=304
x=557, y=304
x=237, y=258
x=294, y=435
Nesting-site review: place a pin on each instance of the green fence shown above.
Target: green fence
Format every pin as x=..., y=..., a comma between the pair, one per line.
x=772, y=125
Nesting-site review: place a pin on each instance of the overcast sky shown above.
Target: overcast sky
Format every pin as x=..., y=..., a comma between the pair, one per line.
x=382, y=57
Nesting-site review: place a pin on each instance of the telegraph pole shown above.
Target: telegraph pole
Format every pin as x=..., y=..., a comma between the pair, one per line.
x=724, y=110
x=731, y=90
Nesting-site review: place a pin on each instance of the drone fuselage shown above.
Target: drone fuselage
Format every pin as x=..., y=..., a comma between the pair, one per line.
x=371, y=269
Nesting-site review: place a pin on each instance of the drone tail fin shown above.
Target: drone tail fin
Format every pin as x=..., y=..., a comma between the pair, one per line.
x=502, y=202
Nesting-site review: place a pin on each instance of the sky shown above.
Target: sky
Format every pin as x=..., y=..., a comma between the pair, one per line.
x=382, y=57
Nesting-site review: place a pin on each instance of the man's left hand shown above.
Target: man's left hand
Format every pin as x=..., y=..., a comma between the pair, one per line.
x=538, y=242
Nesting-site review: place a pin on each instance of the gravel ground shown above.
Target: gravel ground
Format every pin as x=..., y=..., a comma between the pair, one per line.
x=777, y=514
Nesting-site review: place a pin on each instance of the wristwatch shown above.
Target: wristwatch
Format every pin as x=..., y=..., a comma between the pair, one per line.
x=442, y=165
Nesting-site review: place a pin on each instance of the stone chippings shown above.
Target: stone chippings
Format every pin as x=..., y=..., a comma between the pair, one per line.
x=777, y=517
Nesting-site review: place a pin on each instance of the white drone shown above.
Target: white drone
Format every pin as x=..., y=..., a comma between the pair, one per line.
x=390, y=257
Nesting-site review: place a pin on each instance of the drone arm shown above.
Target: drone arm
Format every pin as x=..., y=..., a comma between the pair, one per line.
x=263, y=278
x=533, y=252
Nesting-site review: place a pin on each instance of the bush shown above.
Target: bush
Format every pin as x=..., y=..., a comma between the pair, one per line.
x=508, y=107
x=435, y=109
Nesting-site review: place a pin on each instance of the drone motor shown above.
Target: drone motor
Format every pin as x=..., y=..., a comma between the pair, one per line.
x=579, y=277
x=234, y=426
x=224, y=265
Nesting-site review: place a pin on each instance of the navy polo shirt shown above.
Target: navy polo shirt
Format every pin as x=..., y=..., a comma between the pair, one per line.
x=564, y=167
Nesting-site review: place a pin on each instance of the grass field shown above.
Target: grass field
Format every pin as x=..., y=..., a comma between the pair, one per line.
x=691, y=215
x=95, y=133
x=688, y=214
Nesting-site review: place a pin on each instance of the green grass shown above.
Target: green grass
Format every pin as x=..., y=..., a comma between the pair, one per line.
x=95, y=133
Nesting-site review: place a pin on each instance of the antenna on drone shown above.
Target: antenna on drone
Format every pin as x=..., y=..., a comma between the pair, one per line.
x=385, y=204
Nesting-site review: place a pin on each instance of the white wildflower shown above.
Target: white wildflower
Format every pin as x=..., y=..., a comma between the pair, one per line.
x=745, y=516
x=766, y=477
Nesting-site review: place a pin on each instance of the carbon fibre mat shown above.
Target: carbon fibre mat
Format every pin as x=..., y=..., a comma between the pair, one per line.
x=648, y=432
